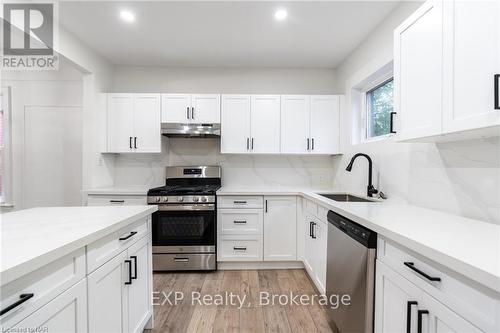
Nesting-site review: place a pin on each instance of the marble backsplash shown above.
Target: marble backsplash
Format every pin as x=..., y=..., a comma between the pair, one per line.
x=238, y=170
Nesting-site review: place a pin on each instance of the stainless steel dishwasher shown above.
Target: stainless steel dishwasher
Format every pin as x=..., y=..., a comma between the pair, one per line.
x=351, y=271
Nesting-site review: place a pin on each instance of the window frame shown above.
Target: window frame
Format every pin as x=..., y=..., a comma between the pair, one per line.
x=365, y=112
x=6, y=198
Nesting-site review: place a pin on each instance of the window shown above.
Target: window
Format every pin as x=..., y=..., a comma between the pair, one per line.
x=379, y=105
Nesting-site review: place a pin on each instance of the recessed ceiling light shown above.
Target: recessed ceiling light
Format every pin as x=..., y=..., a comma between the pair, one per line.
x=127, y=16
x=280, y=14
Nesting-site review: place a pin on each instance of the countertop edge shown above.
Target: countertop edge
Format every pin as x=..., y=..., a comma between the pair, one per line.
x=32, y=265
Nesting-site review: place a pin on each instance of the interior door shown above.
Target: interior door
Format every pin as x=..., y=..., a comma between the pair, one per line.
x=52, y=156
x=147, y=126
x=280, y=228
x=325, y=124
x=235, y=124
x=472, y=58
x=138, y=291
x=175, y=108
x=418, y=67
x=120, y=122
x=205, y=109
x=265, y=124
x=67, y=313
x=108, y=296
x=295, y=124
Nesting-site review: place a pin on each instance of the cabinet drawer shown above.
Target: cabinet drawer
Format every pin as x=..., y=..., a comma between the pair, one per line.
x=251, y=201
x=240, y=221
x=45, y=284
x=107, y=247
x=239, y=248
x=116, y=200
x=476, y=304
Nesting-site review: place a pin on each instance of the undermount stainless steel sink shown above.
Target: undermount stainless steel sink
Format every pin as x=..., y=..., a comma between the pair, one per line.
x=344, y=197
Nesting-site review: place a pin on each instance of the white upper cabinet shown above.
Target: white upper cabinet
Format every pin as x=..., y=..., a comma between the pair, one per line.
x=418, y=67
x=325, y=124
x=472, y=58
x=235, y=124
x=295, y=124
x=175, y=108
x=134, y=123
x=446, y=60
x=185, y=108
x=265, y=124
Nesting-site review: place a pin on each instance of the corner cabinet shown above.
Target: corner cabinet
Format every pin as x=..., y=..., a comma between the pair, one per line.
x=133, y=123
x=187, y=108
x=446, y=66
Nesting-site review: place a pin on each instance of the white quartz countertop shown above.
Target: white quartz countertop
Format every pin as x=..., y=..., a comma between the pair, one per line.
x=469, y=247
x=32, y=238
x=118, y=190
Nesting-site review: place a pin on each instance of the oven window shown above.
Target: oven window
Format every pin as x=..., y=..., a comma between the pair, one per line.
x=183, y=228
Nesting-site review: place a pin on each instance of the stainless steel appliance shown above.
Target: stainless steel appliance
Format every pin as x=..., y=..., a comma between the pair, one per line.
x=190, y=130
x=184, y=227
x=351, y=271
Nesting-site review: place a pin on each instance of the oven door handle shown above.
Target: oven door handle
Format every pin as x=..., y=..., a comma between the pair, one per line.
x=197, y=207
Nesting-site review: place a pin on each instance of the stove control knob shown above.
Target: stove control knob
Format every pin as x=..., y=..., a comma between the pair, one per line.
x=204, y=199
x=196, y=199
x=157, y=199
x=165, y=199
x=180, y=199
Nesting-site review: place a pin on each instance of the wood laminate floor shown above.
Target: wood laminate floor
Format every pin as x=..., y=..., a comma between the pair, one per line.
x=189, y=316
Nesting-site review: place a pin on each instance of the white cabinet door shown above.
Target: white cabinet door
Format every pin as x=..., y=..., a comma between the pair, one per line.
x=120, y=122
x=309, y=255
x=147, y=136
x=472, y=58
x=235, y=124
x=280, y=228
x=325, y=124
x=108, y=297
x=175, y=108
x=205, y=109
x=139, y=291
x=418, y=67
x=295, y=129
x=319, y=235
x=392, y=294
x=65, y=314
x=265, y=124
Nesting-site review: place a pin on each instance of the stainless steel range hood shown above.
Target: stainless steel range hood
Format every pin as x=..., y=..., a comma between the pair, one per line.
x=176, y=130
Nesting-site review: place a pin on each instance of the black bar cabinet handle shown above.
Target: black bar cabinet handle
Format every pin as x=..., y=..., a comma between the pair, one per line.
x=391, y=130
x=22, y=298
x=129, y=262
x=134, y=277
x=192, y=112
x=419, y=321
x=127, y=237
x=239, y=248
x=240, y=222
x=240, y=202
x=248, y=143
x=408, y=315
x=497, y=92
x=117, y=201
x=135, y=142
x=187, y=112
x=307, y=143
x=411, y=265
x=313, y=233
x=130, y=142
x=266, y=206
x=310, y=229
x=312, y=144
x=252, y=143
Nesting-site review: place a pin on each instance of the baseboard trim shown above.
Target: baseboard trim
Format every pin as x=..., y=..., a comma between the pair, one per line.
x=244, y=265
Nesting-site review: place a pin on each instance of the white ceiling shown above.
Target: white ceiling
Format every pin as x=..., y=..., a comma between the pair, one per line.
x=224, y=34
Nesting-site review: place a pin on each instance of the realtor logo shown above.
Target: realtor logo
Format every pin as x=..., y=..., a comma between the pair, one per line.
x=29, y=36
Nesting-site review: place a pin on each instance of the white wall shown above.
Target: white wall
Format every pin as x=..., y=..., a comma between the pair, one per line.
x=247, y=171
x=45, y=91
x=461, y=178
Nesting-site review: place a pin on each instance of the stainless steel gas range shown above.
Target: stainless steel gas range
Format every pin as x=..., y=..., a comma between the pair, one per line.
x=184, y=227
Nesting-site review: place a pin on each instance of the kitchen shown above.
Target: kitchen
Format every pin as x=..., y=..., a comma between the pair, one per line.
x=161, y=163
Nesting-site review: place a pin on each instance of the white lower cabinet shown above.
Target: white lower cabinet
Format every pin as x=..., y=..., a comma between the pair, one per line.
x=402, y=306
x=66, y=313
x=280, y=228
x=119, y=291
x=315, y=248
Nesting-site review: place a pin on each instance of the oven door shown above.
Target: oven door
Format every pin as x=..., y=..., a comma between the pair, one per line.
x=184, y=229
